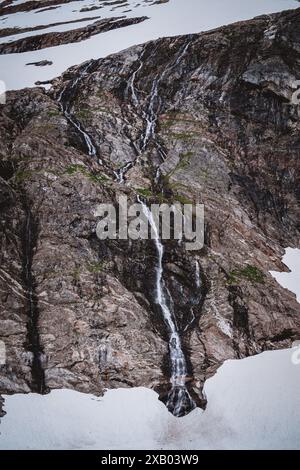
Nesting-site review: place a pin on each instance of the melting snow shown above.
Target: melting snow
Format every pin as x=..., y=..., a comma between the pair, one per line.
x=253, y=403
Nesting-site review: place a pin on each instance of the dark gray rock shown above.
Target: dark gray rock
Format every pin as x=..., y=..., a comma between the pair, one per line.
x=224, y=133
x=41, y=63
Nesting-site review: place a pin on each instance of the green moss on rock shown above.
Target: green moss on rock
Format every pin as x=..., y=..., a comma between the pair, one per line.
x=249, y=273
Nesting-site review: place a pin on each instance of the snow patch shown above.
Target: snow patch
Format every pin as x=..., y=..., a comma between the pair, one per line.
x=253, y=403
x=290, y=280
x=167, y=19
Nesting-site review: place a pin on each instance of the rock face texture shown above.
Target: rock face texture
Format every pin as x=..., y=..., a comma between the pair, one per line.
x=208, y=118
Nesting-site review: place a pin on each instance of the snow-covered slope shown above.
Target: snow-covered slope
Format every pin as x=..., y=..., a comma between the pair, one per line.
x=253, y=404
x=165, y=19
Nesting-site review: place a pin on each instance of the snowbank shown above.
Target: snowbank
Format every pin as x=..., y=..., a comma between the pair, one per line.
x=253, y=404
x=290, y=280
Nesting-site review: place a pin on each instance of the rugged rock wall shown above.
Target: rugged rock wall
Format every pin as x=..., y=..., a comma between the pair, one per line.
x=204, y=118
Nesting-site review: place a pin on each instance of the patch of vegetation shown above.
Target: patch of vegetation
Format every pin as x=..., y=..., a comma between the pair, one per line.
x=173, y=117
x=148, y=194
x=76, y=274
x=73, y=169
x=97, y=178
x=54, y=273
x=95, y=267
x=183, y=135
x=175, y=186
x=44, y=128
x=250, y=273
x=100, y=92
x=54, y=113
x=181, y=165
x=103, y=109
x=182, y=199
x=187, y=154
x=166, y=124
x=184, y=161
x=25, y=158
x=204, y=174
x=22, y=175
x=83, y=113
x=144, y=192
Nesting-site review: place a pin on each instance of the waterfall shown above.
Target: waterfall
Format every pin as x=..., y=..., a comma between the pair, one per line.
x=90, y=146
x=179, y=401
x=121, y=172
x=197, y=274
x=73, y=121
x=155, y=101
x=130, y=85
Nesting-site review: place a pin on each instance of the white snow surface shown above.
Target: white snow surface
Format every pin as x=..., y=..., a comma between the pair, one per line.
x=290, y=280
x=168, y=19
x=253, y=403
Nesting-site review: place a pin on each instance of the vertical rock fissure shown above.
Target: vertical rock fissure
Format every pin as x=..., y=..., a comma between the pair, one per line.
x=33, y=337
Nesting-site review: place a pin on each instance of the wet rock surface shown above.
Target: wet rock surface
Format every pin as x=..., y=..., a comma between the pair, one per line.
x=202, y=118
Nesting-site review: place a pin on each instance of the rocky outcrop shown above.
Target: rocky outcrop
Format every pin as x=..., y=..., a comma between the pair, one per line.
x=41, y=41
x=7, y=8
x=2, y=412
x=204, y=118
x=41, y=63
x=12, y=31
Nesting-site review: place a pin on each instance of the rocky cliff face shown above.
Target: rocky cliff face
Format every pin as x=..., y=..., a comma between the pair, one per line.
x=203, y=118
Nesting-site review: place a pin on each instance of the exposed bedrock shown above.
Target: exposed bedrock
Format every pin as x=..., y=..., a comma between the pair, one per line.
x=202, y=118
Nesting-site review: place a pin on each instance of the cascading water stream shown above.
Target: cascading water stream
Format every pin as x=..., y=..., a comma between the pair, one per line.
x=130, y=86
x=120, y=174
x=154, y=102
x=90, y=146
x=197, y=274
x=151, y=115
x=92, y=151
x=179, y=401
